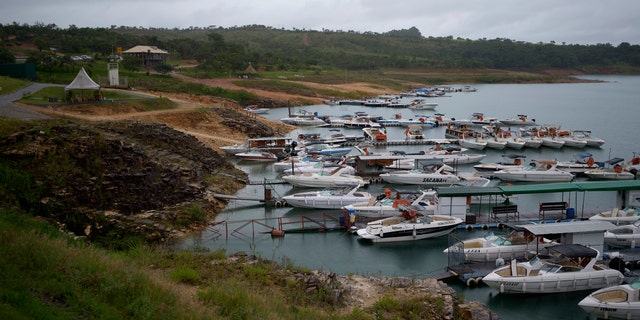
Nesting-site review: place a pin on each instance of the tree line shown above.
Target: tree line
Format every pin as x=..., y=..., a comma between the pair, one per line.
x=223, y=50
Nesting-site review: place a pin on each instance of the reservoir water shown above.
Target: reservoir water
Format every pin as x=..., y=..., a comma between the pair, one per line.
x=610, y=109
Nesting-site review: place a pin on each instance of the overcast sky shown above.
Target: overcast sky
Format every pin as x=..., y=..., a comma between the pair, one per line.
x=569, y=21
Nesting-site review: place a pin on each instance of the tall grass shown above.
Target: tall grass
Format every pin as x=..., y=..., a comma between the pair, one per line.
x=48, y=276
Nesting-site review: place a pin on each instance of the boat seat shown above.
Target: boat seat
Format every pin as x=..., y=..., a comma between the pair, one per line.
x=612, y=296
x=614, y=212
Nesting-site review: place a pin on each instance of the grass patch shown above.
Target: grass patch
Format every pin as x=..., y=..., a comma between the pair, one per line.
x=9, y=85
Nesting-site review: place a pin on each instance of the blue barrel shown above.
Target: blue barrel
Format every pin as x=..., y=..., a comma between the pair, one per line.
x=571, y=213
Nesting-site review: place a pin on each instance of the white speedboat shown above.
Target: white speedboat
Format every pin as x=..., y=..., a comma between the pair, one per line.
x=477, y=119
x=549, y=135
x=422, y=104
x=571, y=141
x=424, y=202
x=255, y=109
x=324, y=179
x=623, y=236
x=514, y=162
x=296, y=162
x=236, y=148
x=257, y=156
x=610, y=170
x=618, y=216
x=552, y=142
x=581, y=162
x=433, y=174
x=615, y=302
x=531, y=137
x=320, y=167
x=545, y=172
x=328, y=198
x=514, y=142
x=591, y=140
x=414, y=132
x=570, y=268
x=324, y=149
x=473, y=143
x=375, y=133
x=408, y=227
x=303, y=121
x=520, y=120
x=496, y=143
x=516, y=244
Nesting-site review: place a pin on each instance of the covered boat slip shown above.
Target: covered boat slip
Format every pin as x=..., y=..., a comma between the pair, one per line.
x=575, y=192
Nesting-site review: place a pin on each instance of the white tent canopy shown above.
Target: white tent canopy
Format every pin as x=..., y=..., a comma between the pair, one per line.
x=82, y=81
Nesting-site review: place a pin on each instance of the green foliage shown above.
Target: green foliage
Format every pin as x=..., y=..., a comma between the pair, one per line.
x=163, y=68
x=6, y=56
x=185, y=275
x=55, y=278
x=219, y=51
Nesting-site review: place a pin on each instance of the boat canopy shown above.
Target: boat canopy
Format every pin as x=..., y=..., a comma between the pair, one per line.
x=574, y=250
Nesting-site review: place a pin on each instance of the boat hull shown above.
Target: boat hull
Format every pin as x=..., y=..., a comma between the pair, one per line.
x=419, y=179
x=408, y=231
x=314, y=202
x=615, y=302
x=554, y=283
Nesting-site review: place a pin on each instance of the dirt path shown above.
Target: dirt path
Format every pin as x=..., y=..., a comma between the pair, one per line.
x=227, y=83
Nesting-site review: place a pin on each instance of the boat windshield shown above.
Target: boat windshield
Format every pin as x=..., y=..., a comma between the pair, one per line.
x=535, y=262
x=502, y=241
x=550, y=268
x=490, y=236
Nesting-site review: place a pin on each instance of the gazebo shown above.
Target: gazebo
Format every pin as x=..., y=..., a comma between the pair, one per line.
x=82, y=82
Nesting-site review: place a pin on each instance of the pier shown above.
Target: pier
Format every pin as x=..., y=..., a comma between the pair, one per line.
x=278, y=227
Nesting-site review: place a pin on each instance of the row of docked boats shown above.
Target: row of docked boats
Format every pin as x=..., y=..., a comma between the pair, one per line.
x=527, y=137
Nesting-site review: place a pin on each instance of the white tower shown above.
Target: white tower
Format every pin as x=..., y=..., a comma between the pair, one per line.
x=113, y=74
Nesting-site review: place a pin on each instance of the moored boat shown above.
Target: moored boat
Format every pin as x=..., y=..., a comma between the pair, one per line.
x=623, y=236
x=569, y=268
x=618, y=216
x=546, y=171
x=514, y=245
x=257, y=156
x=328, y=198
x=324, y=179
x=610, y=170
x=388, y=206
x=431, y=174
x=614, y=302
x=255, y=109
x=422, y=104
x=408, y=227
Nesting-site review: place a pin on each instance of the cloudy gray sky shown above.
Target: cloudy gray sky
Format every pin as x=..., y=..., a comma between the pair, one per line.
x=568, y=21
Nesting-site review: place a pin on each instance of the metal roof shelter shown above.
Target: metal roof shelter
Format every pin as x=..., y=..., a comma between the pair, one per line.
x=563, y=187
x=540, y=188
x=587, y=232
x=586, y=226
